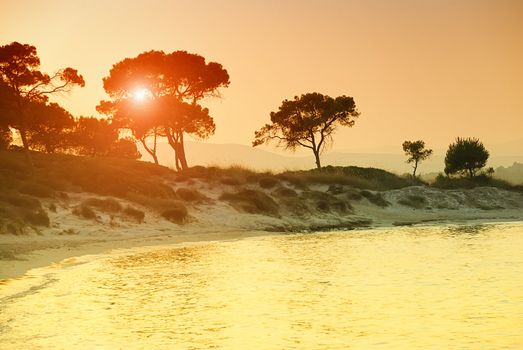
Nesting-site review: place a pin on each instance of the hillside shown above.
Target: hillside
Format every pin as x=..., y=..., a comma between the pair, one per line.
x=67, y=194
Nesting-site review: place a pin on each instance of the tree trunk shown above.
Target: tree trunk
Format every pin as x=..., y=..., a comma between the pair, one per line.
x=152, y=152
x=181, y=153
x=174, y=145
x=27, y=152
x=415, y=168
x=317, y=158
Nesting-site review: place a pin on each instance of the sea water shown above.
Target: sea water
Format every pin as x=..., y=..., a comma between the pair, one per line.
x=437, y=287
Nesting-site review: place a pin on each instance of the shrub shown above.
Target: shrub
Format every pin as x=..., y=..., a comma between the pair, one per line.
x=231, y=181
x=285, y=192
x=52, y=207
x=267, y=182
x=363, y=178
x=190, y=195
x=252, y=201
x=327, y=202
x=37, y=190
x=375, y=198
x=413, y=201
x=84, y=212
x=38, y=217
x=24, y=201
x=134, y=213
x=178, y=215
x=109, y=205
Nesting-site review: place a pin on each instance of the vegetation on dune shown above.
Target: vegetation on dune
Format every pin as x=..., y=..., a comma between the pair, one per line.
x=252, y=201
x=413, y=201
x=358, y=177
x=465, y=157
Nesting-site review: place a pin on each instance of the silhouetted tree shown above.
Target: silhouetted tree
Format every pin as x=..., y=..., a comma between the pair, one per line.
x=99, y=137
x=179, y=118
x=94, y=137
x=138, y=117
x=5, y=137
x=308, y=121
x=466, y=156
x=20, y=71
x=124, y=148
x=178, y=75
x=6, y=115
x=416, y=152
x=49, y=125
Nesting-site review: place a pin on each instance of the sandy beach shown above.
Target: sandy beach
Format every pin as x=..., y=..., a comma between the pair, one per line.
x=70, y=236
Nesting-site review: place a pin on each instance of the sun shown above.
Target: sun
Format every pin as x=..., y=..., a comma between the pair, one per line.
x=141, y=94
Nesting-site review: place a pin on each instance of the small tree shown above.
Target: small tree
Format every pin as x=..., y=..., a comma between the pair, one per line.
x=94, y=137
x=465, y=157
x=20, y=72
x=308, y=121
x=49, y=127
x=416, y=152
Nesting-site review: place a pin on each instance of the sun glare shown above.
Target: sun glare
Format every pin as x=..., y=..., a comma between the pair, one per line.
x=141, y=94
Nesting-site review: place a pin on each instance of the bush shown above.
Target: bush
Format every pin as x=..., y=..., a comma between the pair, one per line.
x=134, y=213
x=252, y=201
x=268, y=182
x=358, y=177
x=108, y=205
x=231, y=181
x=38, y=217
x=36, y=189
x=84, y=212
x=178, y=215
x=413, y=201
x=24, y=201
x=324, y=201
x=375, y=198
x=190, y=195
x=447, y=182
x=285, y=192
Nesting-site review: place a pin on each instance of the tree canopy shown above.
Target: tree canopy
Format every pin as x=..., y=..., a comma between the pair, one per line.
x=308, y=121
x=416, y=152
x=26, y=84
x=465, y=156
x=174, y=84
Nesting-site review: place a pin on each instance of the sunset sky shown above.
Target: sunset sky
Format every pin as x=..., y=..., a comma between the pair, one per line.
x=417, y=69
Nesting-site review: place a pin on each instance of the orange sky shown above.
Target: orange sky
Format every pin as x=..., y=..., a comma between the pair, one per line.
x=417, y=68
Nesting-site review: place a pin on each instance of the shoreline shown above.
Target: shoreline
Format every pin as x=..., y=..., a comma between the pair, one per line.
x=23, y=254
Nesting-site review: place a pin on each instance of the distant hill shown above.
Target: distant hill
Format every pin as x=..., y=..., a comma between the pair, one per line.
x=512, y=174
x=201, y=153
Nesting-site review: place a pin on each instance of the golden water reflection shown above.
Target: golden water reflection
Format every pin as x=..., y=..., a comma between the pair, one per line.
x=408, y=288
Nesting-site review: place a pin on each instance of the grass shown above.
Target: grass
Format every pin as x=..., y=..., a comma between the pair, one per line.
x=107, y=205
x=326, y=202
x=358, y=177
x=375, y=198
x=446, y=182
x=177, y=213
x=137, y=214
x=413, y=201
x=252, y=201
x=268, y=182
x=285, y=192
x=85, y=212
x=190, y=195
